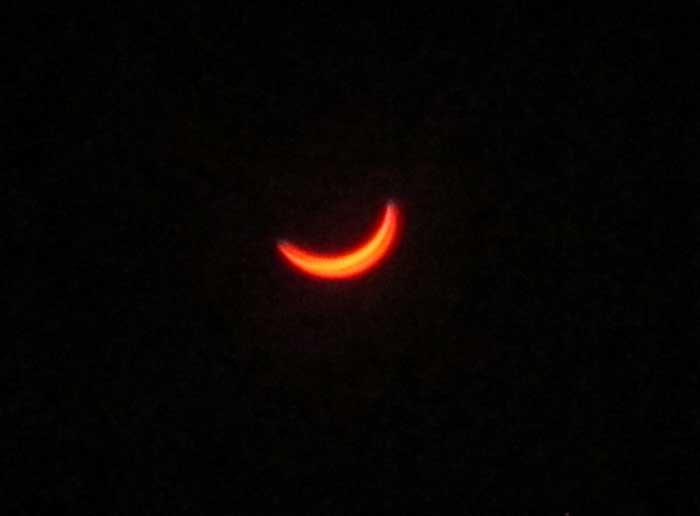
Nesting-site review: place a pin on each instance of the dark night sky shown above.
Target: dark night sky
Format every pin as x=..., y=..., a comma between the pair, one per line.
x=519, y=353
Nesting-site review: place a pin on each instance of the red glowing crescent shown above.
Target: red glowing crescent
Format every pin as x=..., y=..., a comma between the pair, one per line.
x=353, y=262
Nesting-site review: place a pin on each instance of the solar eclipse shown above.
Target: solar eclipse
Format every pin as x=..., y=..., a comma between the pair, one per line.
x=352, y=263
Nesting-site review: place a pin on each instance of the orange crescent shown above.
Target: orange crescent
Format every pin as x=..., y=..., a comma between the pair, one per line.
x=354, y=262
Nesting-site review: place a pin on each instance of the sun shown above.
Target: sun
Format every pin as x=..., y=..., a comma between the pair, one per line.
x=352, y=263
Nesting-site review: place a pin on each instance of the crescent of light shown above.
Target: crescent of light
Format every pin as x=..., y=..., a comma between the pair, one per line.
x=352, y=263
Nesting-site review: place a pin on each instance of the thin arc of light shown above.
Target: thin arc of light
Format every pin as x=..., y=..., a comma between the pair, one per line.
x=354, y=262
x=358, y=256
x=347, y=264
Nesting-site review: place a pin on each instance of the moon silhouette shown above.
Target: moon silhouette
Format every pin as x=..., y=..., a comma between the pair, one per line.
x=353, y=262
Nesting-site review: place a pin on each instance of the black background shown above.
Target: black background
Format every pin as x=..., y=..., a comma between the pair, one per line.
x=518, y=353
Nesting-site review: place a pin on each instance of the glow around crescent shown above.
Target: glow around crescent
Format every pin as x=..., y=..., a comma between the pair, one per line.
x=353, y=262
